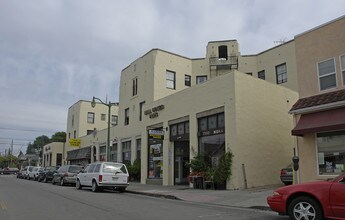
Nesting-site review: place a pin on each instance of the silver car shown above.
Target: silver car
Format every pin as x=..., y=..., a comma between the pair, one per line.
x=66, y=174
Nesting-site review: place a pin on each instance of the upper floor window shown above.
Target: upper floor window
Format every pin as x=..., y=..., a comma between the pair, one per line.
x=135, y=86
x=250, y=74
x=114, y=119
x=342, y=60
x=281, y=73
x=141, y=106
x=89, y=132
x=326, y=71
x=261, y=74
x=72, y=120
x=126, y=116
x=223, y=52
x=187, y=80
x=90, y=117
x=103, y=117
x=170, y=79
x=200, y=79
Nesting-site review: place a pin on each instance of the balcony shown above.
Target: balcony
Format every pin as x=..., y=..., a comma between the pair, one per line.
x=216, y=61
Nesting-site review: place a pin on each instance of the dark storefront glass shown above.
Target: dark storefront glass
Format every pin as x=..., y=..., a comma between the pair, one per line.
x=155, y=154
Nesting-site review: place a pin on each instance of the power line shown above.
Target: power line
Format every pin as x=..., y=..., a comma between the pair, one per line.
x=28, y=130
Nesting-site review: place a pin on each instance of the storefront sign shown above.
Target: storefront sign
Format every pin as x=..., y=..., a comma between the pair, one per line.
x=156, y=134
x=212, y=132
x=153, y=112
x=74, y=142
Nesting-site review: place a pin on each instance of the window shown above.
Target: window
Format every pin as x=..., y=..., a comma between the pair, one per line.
x=187, y=80
x=281, y=73
x=113, y=152
x=139, y=149
x=261, y=74
x=170, y=79
x=72, y=120
x=250, y=74
x=126, y=116
x=90, y=117
x=102, y=153
x=223, y=52
x=326, y=71
x=200, y=79
x=91, y=168
x=331, y=152
x=134, y=86
x=141, y=106
x=126, y=151
x=75, y=134
x=89, y=132
x=103, y=117
x=342, y=60
x=114, y=119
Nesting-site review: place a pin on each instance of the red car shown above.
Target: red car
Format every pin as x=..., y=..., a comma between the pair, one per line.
x=311, y=201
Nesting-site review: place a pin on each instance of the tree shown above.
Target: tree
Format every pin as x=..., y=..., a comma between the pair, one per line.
x=58, y=137
x=38, y=144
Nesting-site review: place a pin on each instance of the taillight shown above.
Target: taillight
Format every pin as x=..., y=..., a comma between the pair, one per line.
x=100, y=178
x=282, y=172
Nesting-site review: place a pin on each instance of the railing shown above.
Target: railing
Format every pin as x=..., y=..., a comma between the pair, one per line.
x=231, y=60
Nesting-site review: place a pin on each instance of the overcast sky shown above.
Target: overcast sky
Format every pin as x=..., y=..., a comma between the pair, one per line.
x=56, y=52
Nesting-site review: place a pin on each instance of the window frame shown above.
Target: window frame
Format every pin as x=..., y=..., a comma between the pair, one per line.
x=328, y=74
x=342, y=68
x=187, y=80
x=199, y=77
x=103, y=117
x=126, y=116
x=135, y=86
x=167, y=79
x=114, y=120
x=284, y=80
x=263, y=77
x=90, y=120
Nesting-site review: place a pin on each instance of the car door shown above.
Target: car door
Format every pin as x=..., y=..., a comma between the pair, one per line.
x=82, y=175
x=337, y=198
x=89, y=175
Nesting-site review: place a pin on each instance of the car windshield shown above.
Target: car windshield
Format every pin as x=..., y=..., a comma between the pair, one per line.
x=114, y=167
x=74, y=169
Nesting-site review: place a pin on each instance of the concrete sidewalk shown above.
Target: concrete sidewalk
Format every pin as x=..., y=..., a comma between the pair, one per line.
x=250, y=198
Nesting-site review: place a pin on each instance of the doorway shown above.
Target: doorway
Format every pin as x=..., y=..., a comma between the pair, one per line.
x=181, y=169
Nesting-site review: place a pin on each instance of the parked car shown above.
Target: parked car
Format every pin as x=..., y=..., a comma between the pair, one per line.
x=27, y=171
x=34, y=173
x=286, y=175
x=46, y=174
x=10, y=170
x=314, y=200
x=66, y=174
x=103, y=175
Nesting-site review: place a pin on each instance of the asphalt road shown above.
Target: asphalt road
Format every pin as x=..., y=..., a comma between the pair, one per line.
x=23, y=199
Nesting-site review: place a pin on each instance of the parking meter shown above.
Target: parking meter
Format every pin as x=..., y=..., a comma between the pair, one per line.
x=295, y=160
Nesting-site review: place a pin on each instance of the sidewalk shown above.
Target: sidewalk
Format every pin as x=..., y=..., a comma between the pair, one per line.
x=250, y=198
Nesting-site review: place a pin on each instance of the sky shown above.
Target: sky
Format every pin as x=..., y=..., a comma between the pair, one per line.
x=56, y=52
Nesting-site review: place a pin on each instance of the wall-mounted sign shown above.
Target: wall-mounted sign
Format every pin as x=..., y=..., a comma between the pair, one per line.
x=74, y=142
x=153, y=112
x=156, y=134
x=211, y=132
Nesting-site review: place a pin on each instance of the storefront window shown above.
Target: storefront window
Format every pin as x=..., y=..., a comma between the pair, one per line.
x=212, y=147
x=155, y=157
x=102, y=153
x=126, y=151
x=331, y=152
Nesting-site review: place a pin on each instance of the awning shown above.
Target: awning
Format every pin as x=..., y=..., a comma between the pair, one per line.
x=82, y=153
x=330, y=120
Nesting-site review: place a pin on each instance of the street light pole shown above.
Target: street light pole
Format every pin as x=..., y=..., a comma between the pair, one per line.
x=93, y=104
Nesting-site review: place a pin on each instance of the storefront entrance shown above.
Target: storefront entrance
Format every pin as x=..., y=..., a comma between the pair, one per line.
x=181, y=155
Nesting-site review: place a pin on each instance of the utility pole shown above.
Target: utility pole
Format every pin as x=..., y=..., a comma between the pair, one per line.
x=11, y=151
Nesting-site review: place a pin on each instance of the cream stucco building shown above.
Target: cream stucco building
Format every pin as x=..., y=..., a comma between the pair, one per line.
x=52, y=154
x=172, y=107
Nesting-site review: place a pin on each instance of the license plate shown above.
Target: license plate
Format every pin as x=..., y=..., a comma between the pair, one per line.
x=115, y=177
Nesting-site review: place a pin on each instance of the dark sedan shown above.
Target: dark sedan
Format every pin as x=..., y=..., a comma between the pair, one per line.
x=66, y=174
x=286, y=175
x=47, y=173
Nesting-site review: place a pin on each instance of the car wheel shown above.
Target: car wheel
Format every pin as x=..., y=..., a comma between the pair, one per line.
x=305, y=208
x=121, y=190
x=45, y=180
x=78, y=185
x=94, y=187
x=53, y=181
x=62, y=182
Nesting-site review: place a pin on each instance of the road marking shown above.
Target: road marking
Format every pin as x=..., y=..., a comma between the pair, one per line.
x=3, y=205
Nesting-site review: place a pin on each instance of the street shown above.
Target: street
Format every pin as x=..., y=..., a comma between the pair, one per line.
x=24, y=199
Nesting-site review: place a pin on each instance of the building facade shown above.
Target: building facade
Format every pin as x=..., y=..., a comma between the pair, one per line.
x=52, y=154
x=320, y=112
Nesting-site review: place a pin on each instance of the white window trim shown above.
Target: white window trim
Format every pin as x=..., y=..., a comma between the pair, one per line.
x=342, y=68
x=318, y=75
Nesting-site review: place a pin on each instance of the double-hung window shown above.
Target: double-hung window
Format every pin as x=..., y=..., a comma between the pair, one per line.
x=90, y=117
x=281, y=73
x=187, y=80
x=326, y=71
x=135, y=86
x=126, y=116
x=170, y=79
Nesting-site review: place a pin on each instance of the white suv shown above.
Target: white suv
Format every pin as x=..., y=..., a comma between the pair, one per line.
x=102, y=175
